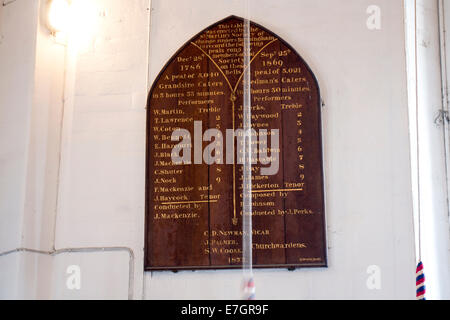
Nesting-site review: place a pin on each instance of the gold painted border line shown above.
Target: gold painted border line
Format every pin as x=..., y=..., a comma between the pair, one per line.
x=186, y=202
x=246, y=67
x=233, y=99
x=217, y=66
x=277, y=190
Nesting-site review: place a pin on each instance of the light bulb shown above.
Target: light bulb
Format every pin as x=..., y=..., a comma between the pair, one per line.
x=59, y=15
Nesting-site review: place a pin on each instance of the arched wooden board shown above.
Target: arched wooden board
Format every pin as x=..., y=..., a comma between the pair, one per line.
x=193, y=211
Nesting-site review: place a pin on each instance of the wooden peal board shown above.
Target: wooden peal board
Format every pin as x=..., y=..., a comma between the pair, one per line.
x=194, y=211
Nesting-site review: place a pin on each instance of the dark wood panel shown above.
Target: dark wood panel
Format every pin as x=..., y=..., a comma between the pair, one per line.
x=194, y=210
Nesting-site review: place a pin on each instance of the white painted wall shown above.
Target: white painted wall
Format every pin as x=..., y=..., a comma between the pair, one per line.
x=362, y=75
x=103, y=171
x=18, y=23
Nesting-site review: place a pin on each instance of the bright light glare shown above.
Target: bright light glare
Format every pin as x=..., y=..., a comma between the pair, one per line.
x=59, y=15
x=74, y=20
x=83, y=21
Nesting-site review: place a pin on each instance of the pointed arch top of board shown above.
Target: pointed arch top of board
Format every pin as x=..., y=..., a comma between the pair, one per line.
x=169, y=244
x=225, y=20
